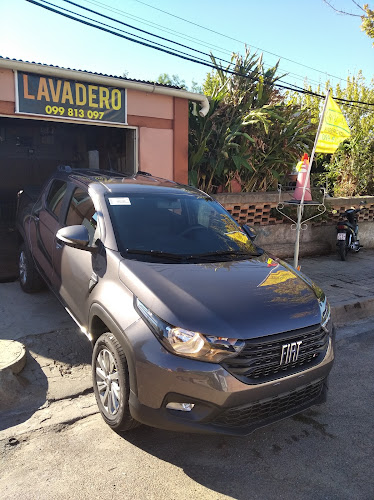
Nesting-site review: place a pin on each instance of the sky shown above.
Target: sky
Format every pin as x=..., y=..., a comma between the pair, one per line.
x=307, y=36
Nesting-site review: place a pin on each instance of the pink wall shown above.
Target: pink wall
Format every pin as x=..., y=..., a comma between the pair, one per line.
x=156, y=151
x=147, y=104
x=7, y=92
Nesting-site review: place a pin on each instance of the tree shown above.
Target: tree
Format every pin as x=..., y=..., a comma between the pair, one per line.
x=176, y=81
x=349, y=171
x=366, y=15
x=173, y=80
x=368, y=22
x=250, y=135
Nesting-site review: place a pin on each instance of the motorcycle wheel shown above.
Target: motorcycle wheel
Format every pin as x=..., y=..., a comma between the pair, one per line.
x=342, y=249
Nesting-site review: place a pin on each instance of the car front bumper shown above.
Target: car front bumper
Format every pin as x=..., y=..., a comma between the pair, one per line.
x=222, y=403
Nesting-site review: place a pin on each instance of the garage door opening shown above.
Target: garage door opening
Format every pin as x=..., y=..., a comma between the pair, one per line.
x=31, y=150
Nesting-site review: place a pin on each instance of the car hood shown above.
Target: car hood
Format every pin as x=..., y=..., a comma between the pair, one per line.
x=240, y=299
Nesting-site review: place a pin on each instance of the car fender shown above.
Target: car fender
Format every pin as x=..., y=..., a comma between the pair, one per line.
x=97, y=310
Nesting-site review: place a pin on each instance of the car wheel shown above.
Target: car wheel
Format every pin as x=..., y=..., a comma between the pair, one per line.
x=111, y=383
x=29, y=278
x=342, y=250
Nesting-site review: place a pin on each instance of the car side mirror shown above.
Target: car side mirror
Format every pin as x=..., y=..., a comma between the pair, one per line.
x=74, y=236
x=250, y=232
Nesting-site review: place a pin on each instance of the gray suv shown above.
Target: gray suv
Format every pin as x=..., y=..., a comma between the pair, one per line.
x=194, y=328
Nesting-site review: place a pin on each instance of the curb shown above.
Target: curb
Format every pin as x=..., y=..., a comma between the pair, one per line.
x=12, y=356
x=349, y=311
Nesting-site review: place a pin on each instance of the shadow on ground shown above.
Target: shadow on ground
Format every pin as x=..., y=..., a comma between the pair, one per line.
x=242, y=467
x=324, y=452
x=57, y=367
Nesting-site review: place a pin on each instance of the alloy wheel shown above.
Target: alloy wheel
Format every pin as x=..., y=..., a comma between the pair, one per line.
x=107, y=382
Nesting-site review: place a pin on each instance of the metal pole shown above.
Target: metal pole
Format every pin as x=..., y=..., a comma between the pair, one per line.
x=300, y=208
x=297, y=242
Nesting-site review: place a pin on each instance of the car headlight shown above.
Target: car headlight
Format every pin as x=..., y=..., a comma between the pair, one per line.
x=326, y=322
x=187, y=343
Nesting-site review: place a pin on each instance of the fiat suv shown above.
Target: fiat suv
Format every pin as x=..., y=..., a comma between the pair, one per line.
x=193, y=327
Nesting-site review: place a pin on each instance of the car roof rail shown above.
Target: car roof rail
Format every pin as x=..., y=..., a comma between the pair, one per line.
x=64, y=168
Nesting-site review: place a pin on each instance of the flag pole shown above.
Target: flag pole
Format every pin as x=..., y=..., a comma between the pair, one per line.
x=300, y=208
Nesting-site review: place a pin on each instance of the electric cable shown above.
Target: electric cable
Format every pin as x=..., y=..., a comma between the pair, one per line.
x=192, y=39
x=189, y=48
x=118, y=29
x=170, y=51
x=234, y=39
x=130, y=26
x=184, y=56
x=133, y=27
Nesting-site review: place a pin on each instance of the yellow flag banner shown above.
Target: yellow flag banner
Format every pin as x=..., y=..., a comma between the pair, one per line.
x=334, y=129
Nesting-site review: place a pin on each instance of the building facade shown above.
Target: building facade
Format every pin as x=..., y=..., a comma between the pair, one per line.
x=51, y=116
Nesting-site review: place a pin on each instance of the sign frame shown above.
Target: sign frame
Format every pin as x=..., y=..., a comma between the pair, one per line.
x=73, y=108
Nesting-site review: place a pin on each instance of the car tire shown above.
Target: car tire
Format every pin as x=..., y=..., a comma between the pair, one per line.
x=342, y=250
x=111, y=383
x=29, y=278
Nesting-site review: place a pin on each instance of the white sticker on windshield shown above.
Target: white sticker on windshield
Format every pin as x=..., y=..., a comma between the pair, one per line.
x=119, y=201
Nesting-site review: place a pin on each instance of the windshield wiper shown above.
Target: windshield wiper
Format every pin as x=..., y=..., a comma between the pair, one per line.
x=155, y=253
x=180, y=257
x=225, y=253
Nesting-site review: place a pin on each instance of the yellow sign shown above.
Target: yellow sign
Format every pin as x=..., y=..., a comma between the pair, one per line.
x=60, y=98
x=334, y=129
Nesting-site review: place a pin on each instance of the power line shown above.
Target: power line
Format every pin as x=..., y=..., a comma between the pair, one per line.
x=130, y=26
x=102, y=28
x=170, y=51
x=133, y=27
x=112, y=27
x=159, y=47
x=234, y=39
x=190, y=38
x=158, y=26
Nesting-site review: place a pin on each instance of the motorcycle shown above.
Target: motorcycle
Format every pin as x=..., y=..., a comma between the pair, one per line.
x=347, y=233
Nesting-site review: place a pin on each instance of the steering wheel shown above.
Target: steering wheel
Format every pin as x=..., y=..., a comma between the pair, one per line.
x=190, y=229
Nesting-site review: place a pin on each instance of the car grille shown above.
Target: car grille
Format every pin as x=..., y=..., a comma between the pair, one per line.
x=243, y=416
x=260, y=359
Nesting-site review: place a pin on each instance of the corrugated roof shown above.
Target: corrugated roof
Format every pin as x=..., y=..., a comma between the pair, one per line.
x=94, y=73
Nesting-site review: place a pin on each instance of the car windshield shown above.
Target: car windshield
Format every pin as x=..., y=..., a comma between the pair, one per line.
x=173, y=226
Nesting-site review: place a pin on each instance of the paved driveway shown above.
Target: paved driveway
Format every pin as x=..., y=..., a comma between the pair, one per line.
x=325, y=453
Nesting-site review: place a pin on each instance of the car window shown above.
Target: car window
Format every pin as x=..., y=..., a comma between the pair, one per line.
x=82, y=212
x=56, y=196
x=175, y=223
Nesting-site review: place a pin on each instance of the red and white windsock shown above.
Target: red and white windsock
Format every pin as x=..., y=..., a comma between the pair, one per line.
x=303, y=179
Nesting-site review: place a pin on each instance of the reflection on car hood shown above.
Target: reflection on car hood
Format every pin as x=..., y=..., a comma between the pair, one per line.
x=239, y=299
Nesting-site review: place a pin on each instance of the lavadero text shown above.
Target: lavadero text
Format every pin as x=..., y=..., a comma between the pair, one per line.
x=70, y=99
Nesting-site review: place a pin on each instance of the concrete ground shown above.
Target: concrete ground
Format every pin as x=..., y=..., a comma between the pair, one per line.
x=25, y=314
x=349, y=285
x=65, y=450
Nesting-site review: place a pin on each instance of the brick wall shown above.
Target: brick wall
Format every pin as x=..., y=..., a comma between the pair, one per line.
x=255, y=209
x=277, y=235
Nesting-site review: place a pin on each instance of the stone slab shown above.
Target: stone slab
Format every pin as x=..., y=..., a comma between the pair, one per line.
x=12, y=356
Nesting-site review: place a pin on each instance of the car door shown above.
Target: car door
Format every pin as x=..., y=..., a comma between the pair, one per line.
x=44, y=224
x=74, y=276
